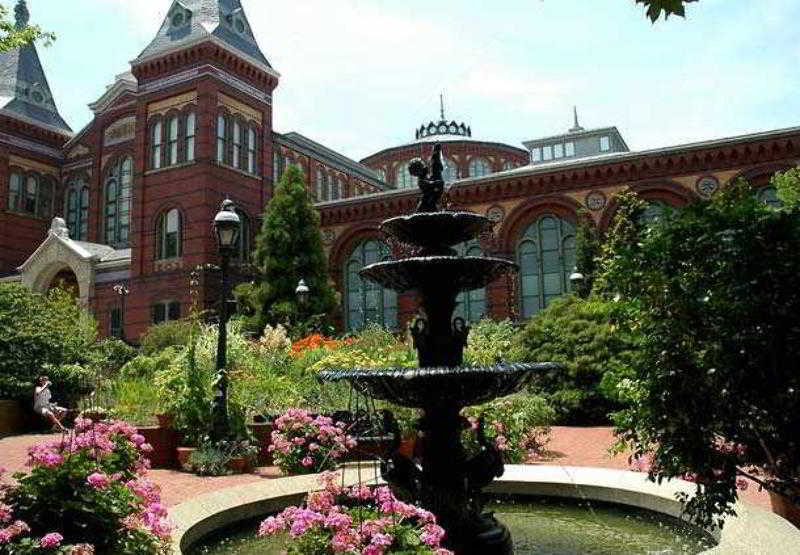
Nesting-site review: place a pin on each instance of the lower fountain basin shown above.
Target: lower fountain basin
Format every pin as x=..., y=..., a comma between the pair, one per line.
x=425, y=387
x=458, y=273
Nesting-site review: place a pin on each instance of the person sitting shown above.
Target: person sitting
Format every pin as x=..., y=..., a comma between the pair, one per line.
x=42, y=405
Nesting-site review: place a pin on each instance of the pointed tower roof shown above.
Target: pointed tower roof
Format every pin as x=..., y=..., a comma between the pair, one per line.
x=24, y=91
x=191, y=21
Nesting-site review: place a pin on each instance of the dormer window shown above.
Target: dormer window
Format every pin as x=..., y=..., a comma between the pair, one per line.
x=37, y=97
x=177, y=19
x=240, y=26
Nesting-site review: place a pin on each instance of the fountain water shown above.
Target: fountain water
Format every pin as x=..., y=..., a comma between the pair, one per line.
x=446, y=481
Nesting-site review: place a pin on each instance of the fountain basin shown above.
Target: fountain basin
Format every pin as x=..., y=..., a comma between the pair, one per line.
x=436, y=229
x=425, y=387
x=454, y=273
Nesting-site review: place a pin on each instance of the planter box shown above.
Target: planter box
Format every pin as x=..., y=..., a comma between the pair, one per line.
x=263, y=435
x=781, y=506
x=164, y=442
x=183, y=454
x=12, y=420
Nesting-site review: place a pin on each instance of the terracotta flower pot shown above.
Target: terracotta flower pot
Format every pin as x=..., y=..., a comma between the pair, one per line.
x=239, y=465
x=165, y=420
x=184, y=454
x=782, y=506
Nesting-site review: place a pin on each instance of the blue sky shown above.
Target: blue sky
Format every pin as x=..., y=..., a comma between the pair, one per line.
x=360, y=75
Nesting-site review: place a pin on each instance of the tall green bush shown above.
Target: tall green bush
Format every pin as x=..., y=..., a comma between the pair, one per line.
x=579, y=334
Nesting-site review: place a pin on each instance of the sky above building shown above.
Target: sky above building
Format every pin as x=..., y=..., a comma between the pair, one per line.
x=361, y=75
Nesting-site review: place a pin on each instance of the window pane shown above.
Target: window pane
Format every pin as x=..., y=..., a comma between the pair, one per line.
x=237, y=143
x=191, y=123
x=604, y=144
x=174, y=310
x=14, y=192
x=547, y=153
x=159, y=313
x=570, y=148
x=558, y=151
x=536, y=154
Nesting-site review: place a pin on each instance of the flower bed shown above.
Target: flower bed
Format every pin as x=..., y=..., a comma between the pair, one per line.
x=303, y=444
x=84, y=493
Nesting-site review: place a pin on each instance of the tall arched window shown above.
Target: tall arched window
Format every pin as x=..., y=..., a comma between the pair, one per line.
x=155, y=146
x=546, y=256
x=381, y=174
x=318, y=185
x=222, y=135
x=471, y=305
x=365, y=301
x=242, y=249
x=769, y=196
x=336, y=188
x=508, y=165
x=326, y=179
x=278, y=163
x=118, y=203
x=403, y=178
x=450, y=172
x=479, y=167
x=77, y=209
x=32, y=194
x=251, y=150
x=191, y=133
x=653, y=212
x=172, y=141
x=237, y=144
x=44, y=205
x=168, y=235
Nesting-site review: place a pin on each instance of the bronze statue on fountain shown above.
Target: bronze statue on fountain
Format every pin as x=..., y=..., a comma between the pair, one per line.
x=443, y=478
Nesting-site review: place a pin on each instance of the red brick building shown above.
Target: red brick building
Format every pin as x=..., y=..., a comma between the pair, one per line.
x=133, y=194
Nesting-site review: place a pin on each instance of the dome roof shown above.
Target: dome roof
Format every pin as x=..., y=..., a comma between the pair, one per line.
x=443, y=127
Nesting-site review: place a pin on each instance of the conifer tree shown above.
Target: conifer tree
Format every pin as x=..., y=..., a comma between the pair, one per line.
x=288, y=249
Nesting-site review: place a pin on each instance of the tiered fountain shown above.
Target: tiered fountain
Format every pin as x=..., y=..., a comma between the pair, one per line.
x=443, y=479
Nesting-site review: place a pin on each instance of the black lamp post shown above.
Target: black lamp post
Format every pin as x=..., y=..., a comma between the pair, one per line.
x=577, y=280
x=123, y=292
x=226, y=229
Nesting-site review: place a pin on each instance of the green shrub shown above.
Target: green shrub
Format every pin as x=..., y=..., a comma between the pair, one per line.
x=109, y=355
x=209, y=460
x=169, y=334
x=39, y=333
x=581, y=335
x=132, y=398
x=489, y=342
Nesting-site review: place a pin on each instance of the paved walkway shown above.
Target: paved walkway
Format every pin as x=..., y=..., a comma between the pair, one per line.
x=569, y=447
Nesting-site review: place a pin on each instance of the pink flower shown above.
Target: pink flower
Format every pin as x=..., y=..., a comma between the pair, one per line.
x=138, y=439
x=5, y=535
x=742, y=484
x=52, y=539
x=271, y=526
x=82, y=549
x=307, y=461
x=146, y=448
x=6, y=512
x=98, y=480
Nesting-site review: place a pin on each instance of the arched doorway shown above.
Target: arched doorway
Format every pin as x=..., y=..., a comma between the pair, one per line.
x=67, y=280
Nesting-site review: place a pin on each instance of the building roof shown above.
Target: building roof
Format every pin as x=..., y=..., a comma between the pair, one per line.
x=24, y=91
x=301, y=143
x=191, y=21
x=576, y=133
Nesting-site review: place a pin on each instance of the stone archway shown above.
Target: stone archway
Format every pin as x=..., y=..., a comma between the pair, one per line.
x=66, y=280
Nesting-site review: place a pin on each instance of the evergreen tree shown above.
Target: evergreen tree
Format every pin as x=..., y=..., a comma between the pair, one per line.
x=288, y=249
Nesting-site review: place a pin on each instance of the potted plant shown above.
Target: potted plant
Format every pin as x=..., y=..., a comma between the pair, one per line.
x=241, y=454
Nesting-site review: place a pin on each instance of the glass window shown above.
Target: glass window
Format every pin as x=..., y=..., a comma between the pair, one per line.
x=222, y=130
x=15, y=192
x=365, y=301
x=237, y=144
x=242, y=248
x=546, y=255
x=277, y=166
x=83, y=220
x=536, y=155
x=169, y=235
x=77, y=209
x=335, y=188
x=381, y=174
x=115, y=323
x=547, y=153
x=404, y=179
x=508, y=165
x=118, y=203
x=470, y=305
x=653, y=212
x=251, y=151
x=569, y=149
x=769, y=196
x=479, y=167
x=605, y=145
x=191, y=132
x=166, y=311
x=558, y=151
x=450, y=172
x=172, y=141
x=155, y=148
x=31, y=192
x=44, y=208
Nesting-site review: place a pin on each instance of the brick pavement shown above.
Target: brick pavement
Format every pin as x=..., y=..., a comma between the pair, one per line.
x=569, y=447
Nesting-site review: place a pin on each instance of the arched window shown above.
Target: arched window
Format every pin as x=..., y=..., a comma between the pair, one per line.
x=118, y=203
x=155, y=146
x=653, y=212
x=769, y=196
x=403, y=178
x=508, y=165
x=44, y=205
x=168, y=235
x=172, y=141
x=318, y=185
x=251, y=150
x=546, y=255
x=77, y=209
x=381, y=174
x=242, y=249
x=31, y=194
x=191, y=133
x=365, y=301
x=237, y=144
x=15, y=192
x=450, y=172
x=278, y=163
x=471, y=305
x=324, y=185
x=222, y=135
x=479, y=167
x=336, y=188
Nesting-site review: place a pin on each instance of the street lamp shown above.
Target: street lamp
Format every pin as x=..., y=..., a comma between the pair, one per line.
x=123, y=292
x=577, y=280
x=302, y=292
x=226, y=229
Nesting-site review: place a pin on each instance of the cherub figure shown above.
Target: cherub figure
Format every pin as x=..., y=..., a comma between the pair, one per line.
x=432, y=187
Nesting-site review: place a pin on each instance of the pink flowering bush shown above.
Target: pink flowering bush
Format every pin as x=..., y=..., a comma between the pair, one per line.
x=85, y=493
x=303, y=444
x=356, y=520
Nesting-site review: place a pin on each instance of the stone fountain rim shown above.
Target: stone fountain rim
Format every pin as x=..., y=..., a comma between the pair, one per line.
x=751, y=527
x=336, y=374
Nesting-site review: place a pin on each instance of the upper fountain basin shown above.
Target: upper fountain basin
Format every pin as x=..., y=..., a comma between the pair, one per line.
x=436, y=387
x=459, y=273
x=436, y=229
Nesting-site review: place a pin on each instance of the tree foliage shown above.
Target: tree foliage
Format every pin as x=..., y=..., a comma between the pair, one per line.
x=712, y=293
x=587, y=249
x=13, y=36
x=668, y=7
x=288, y=249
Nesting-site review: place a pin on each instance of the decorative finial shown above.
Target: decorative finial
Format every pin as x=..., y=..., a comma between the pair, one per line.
x=23, y=16
x=576, y=128
x=441, y=105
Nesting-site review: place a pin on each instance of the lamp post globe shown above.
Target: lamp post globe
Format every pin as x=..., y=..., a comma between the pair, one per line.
x=302, y=292
x=227, y=226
